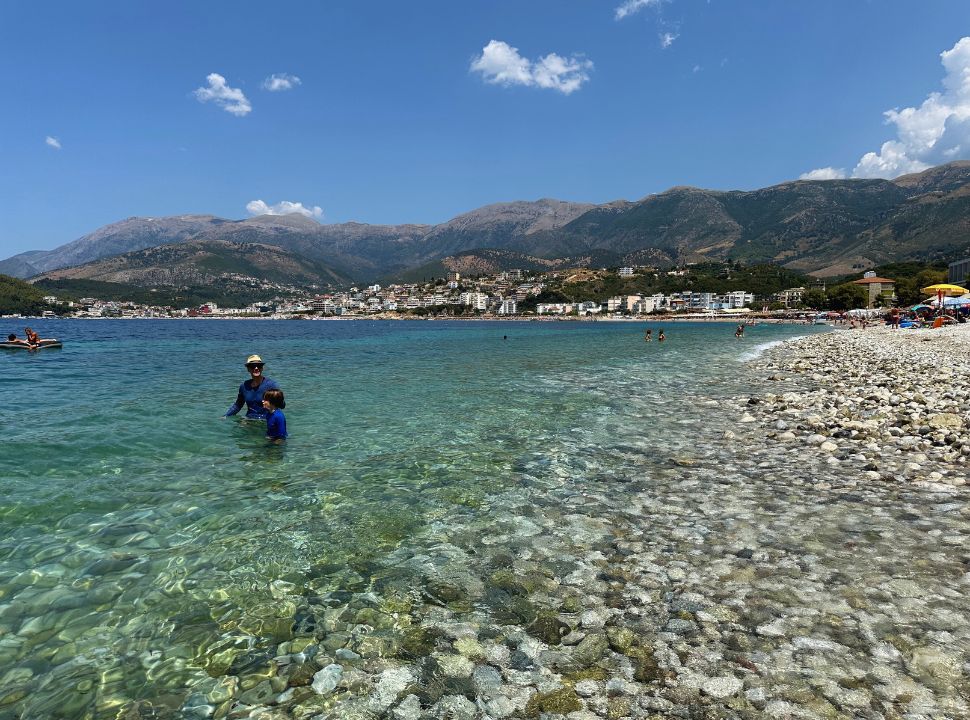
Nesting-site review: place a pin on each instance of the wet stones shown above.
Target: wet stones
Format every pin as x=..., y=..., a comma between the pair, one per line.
x=590, y=650
x=548, y=628
x=557, y=702
x=721, y=687
x=325, y=681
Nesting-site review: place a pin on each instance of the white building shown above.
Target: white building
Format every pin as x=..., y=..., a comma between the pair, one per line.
x=791, y=296
x=507, y=307
x=626, y=272
x=476, y=300
x=554, y=308
x=625, y=303
x=644, y=305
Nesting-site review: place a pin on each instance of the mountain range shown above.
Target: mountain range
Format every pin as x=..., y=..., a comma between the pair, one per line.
x=824, y=227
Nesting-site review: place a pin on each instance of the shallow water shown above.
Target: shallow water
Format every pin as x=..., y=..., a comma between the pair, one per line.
x=150, y=552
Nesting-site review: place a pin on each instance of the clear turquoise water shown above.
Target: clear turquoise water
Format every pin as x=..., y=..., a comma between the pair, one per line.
x=140, y=535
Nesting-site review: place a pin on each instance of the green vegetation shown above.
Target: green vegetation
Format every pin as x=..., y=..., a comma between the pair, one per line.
x=911, y=277
x=228, y=294
x=846, y=296
x=763, y=279
x=21, y=298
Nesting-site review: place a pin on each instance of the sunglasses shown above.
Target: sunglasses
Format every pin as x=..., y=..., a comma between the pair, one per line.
x=251, y=366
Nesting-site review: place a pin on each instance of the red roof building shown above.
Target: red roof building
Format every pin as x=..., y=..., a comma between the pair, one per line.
x=882, y=289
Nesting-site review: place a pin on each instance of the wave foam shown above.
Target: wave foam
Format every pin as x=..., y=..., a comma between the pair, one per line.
x=759, y=350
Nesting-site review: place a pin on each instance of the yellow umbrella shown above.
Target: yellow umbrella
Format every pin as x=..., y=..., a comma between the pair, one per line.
x=947, y=289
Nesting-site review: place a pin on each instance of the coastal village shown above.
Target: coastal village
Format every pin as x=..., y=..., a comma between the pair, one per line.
x=504, y=294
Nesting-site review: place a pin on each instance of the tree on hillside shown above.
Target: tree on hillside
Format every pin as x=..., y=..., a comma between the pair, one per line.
x=909, y=289
x=848, y=296
x=21, y=298
x=815, y=298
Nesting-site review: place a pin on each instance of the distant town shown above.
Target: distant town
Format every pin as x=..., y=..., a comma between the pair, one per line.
x=504, y=294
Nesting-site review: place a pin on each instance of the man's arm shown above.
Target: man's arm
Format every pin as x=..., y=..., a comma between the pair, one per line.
x=236, y=406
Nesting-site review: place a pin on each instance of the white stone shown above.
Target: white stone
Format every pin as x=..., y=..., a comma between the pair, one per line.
x=776, y=628
x=389, y=685
x=409, y=709
x=325, y=681
x=722, y=687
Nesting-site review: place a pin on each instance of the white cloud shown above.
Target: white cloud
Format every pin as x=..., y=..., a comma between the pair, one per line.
x=667, y=39
x=53, y=142
x=629, y=7
x=501, y=64
x=825, y=173
x=936, y=132
x=284, y=207
x=278, y=82
x=230, y=99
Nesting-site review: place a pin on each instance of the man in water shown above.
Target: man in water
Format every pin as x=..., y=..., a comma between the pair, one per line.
x=251, y=392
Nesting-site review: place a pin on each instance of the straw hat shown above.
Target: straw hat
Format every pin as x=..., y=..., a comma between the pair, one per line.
x=254, y=359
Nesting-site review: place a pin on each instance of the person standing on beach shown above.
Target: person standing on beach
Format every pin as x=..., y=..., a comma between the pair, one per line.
x=251, y=392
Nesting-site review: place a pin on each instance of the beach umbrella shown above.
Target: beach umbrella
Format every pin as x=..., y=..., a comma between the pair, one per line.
x=945, y=289
x=956, y=301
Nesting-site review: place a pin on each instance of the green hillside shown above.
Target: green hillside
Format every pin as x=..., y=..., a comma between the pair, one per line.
x=20, y=298
x=227, y=295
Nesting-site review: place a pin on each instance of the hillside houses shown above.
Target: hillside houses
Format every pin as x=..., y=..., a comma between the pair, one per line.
x=505, y=294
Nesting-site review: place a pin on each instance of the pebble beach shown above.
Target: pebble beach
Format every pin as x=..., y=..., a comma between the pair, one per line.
x=820, y=573
x=897, y=401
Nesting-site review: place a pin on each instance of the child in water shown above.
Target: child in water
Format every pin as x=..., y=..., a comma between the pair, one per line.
x=274, y=403
x=648, y=336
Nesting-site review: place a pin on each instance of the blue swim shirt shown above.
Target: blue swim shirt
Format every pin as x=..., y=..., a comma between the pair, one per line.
x=252, y=399
x=276, y=425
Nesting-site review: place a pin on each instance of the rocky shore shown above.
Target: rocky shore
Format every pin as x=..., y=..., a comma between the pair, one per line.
x=817, y=570
x=896, y=402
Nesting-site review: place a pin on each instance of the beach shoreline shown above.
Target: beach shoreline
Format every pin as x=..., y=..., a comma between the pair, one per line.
x=895, y=401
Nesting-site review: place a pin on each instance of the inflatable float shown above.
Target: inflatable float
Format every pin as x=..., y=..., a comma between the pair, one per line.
x=18, y=346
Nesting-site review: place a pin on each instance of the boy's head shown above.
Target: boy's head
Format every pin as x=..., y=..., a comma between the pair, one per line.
x=274, y=398
x=11, y=337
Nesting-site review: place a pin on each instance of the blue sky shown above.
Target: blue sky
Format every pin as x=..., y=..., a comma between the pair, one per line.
x=415, y=112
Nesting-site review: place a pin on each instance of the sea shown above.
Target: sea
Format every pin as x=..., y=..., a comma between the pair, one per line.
x=155, y=556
